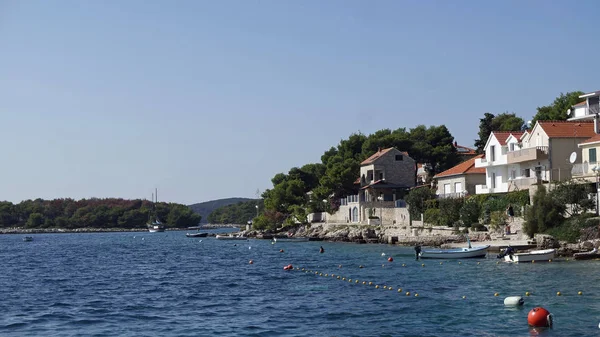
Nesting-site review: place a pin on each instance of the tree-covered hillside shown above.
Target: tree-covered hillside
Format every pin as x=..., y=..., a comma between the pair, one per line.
x=239, y=213
x=93, y=213
x=207, y=207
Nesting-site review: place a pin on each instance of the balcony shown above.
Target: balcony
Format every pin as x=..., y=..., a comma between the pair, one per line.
x=522, y=183
x=583, y=170
x=585, y=113
x=528, y=154
x=452, y=195
x=485, y=162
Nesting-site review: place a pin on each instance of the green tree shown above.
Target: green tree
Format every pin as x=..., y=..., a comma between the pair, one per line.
x=416, y=200
x=489, y=123
x=434, y=145
x=35, y=220
x=574, y=195
x=558, y=109
x=470, y=212
x=544, y=213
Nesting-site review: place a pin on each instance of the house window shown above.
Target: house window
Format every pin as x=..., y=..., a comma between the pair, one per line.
x=492, y=153
x=447, y=189
x=380, y=175
x=399, y=157
x=513, y=174
x=592, y=155
x=458, y=188
x=493, y=180
x=512, y=147
x=527, y=173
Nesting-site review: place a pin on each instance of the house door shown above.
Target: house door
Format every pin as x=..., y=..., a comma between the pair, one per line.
x=538, y=173
x=355, y=214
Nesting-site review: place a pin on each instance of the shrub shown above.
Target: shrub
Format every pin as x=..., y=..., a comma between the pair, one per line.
x=545, y=213
x=432, y=216
x=450, y=211
x=470, y=212
x=570, y=230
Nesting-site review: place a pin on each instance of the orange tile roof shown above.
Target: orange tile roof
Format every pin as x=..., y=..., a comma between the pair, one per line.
x=502, y=136
x=580, y=103
x=377, y=155
x=466, y=167
x=595, y=138
x=568, y=129
x=464, y=150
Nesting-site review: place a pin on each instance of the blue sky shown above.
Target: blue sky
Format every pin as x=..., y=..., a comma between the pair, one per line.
x=210, y=99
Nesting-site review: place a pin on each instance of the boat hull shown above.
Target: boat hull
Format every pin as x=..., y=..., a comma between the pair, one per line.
x=534, y=255
x=230, y=237
x=299, y=239
x=156, y=230
x=455, y=253
x=196, y=235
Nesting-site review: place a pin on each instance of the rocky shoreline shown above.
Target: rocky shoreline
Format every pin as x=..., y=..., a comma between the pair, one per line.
x=365, y=234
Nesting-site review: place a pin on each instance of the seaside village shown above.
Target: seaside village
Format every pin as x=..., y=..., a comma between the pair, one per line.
x=545, y=153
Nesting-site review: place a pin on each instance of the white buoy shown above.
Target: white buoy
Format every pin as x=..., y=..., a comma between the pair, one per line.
x=513, y=301
x=382, y=254
x=200, y=241
x=142, y=239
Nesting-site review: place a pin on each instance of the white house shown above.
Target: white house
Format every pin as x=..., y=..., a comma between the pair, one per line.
x=586, y=109
x=541, y=154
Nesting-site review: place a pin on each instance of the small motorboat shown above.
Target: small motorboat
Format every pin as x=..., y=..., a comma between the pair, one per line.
x=454, y=253
x=593, y=254
x=230, y=237
x=534, y=255
x=28, y=238
x=291, y=239
x=196, y=235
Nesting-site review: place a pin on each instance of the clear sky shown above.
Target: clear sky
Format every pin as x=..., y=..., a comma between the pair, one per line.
x=210, y=99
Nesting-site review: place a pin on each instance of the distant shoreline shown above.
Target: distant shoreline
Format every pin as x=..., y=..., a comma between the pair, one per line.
x=16, y=230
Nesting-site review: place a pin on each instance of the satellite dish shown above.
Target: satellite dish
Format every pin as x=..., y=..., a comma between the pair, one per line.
x=573, y=157
x=568, y=112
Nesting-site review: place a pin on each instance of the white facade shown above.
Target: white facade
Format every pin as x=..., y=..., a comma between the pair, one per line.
x=496, y=169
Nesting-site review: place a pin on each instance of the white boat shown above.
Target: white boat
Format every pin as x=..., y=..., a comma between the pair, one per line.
x=154, y=225
x=230, y=237
x=454, y=253
x=534, y=255
x=291, y=239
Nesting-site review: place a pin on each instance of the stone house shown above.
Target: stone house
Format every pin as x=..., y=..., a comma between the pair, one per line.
x=459, y=180
x=383, y=180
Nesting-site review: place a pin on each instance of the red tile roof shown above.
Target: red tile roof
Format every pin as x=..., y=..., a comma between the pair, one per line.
x=580, y=103
x=378, y=155
x=466, y=167
x=595, y=138
x=501, y=136
x=464, y=150
x=568, y=129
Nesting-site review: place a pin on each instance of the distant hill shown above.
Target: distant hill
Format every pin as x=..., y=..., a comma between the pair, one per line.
x=207, y=207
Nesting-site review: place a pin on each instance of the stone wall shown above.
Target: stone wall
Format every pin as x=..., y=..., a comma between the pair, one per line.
x=401, y=172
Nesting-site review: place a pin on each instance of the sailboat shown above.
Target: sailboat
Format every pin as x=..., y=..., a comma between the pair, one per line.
x=154, y=224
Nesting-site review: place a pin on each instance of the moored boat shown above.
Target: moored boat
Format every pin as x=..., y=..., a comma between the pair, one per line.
x=291, y=239
x=28, y=238
x=593, y=254
x=231, y=237
x=154, y=224
x=454, y=253
x=196, y=235
x=534, y=255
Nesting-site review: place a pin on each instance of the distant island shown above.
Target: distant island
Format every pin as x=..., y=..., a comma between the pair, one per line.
x=108, y=213
x=226, y=211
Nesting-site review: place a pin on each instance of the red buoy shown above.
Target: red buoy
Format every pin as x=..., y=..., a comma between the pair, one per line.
x=286, y=267
x=539, y=317
x=251, y=262
x=390, y=259
x=290, y=266
x=281, y=250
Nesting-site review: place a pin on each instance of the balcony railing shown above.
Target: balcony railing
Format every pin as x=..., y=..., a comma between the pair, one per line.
x=452, y=195
x=584, y=169
x=527, y=154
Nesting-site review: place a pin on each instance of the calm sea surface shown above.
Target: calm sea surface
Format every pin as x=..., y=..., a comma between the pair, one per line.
x=165, y=284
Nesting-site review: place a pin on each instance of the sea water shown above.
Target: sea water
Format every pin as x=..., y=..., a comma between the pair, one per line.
x=165, y=284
